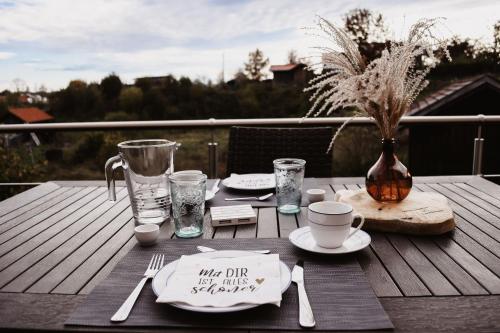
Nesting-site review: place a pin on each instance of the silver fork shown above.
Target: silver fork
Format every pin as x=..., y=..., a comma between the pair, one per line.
x=261, y=198
x=154, y=266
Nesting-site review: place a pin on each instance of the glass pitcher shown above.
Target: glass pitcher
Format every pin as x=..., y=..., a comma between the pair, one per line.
x=146, y=166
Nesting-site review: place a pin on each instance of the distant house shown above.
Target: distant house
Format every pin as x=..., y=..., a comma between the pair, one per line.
x=36, y=98
x=23, y=99
x=25, y=115
x=437, y=149
x=153, y=81
x=290, y=74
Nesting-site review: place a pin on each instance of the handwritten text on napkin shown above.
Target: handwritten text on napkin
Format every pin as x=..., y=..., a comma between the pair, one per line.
x=222, y=282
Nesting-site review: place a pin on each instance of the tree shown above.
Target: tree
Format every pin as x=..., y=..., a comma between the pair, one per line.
x=240, y=76
x=4, y=110
x=368, y=30
x=460, y=50
x=42, y=89
x=78, y=85
x=119, y=116
x=20, y=165
x=292, y=56
x=144, y=83
x=111, y=86
x=255, y=66
x=155, y=104
x=365, y=26
x=496, y=41
x=19, y=85
x=78, y=101
x=131, y=100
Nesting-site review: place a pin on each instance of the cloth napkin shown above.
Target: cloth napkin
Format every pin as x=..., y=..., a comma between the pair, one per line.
x=252, y=181
x=223, y=282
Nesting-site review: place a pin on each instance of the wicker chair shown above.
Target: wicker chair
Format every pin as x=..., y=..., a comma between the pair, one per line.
x=253, y=149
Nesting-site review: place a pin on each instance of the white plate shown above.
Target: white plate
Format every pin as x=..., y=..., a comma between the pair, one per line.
x=302, y=238
x=252, y=181
x=161, y=279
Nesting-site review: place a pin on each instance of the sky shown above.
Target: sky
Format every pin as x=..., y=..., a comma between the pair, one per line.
x=50, y=42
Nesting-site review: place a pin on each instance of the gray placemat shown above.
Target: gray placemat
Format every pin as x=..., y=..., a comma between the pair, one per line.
x=226, y=192
x=338, y=290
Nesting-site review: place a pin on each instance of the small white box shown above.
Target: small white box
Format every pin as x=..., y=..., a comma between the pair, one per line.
x=232, y=215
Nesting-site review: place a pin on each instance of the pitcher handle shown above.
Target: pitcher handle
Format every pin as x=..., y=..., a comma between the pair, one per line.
x=111, y=165
x=171, y=169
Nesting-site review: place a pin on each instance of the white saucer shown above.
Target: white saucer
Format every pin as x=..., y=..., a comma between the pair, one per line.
x=161, y=279
x=302, y=238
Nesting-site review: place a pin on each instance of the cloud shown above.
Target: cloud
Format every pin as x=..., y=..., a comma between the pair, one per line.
x=70, y=68
x=6, y=55
x=153, y=37
x=125, y=24
x=6, y=4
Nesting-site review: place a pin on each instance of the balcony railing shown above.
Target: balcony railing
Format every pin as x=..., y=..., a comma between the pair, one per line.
x=215, y=123
x=477, y=120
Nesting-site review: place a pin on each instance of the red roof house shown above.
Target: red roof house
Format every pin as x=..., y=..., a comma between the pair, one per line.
x=290, y=73
x=285, y=68
x=30, y=115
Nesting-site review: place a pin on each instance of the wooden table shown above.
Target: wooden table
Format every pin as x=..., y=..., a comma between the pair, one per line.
x=60, y=239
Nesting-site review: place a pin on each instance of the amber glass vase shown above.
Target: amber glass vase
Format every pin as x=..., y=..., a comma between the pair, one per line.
x=388, y=179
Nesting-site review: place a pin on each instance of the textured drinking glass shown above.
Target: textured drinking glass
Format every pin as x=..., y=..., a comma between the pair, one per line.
x=146, y=166
x=289, y=174
x=188, y=203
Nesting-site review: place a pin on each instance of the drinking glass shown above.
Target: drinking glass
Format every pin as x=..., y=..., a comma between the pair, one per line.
x=188, y=203
x=289, y=173
x=146, y=166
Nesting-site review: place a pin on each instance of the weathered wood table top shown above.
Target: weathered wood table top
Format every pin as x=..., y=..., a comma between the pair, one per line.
x=60, y=239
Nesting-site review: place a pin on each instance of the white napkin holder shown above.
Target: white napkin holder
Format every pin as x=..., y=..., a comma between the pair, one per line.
x=232, y=215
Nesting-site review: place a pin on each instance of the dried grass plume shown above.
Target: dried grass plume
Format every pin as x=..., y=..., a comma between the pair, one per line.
x=384, y=88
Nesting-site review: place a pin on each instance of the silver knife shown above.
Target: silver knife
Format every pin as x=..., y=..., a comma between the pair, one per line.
x=306, y=316
x=209, y=249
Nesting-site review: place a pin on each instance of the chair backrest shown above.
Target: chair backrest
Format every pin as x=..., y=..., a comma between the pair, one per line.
x=253, y=149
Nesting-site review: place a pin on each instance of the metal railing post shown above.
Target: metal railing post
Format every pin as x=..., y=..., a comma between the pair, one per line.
x=477, y=159
x=212, y=154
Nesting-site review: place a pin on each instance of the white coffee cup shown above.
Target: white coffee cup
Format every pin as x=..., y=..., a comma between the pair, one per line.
x=331, y=221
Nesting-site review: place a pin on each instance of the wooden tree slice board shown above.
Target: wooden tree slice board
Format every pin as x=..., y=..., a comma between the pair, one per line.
x=421, y=213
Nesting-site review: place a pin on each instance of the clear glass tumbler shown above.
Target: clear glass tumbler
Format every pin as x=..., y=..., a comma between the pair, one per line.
x=188, y=203
x=289, y=174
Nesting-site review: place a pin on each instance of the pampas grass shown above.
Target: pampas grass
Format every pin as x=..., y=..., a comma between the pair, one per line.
x=384, y=88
